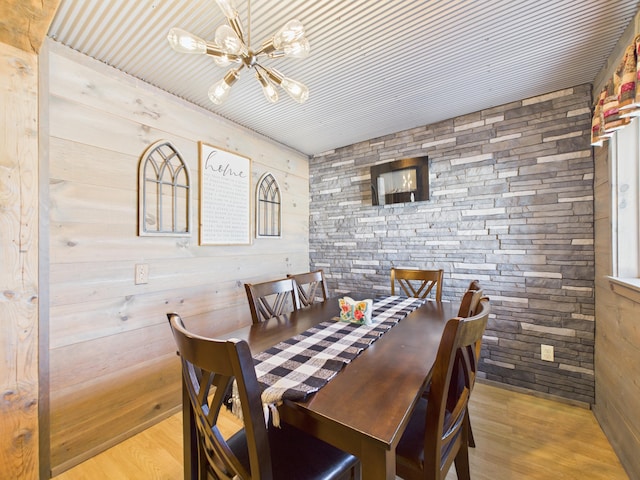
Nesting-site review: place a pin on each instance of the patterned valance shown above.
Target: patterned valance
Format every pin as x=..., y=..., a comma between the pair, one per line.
x=619, y=100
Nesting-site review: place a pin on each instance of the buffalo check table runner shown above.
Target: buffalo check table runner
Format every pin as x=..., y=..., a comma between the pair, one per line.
x=301, y=365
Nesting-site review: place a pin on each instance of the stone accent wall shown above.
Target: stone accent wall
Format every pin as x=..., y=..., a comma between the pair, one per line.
x=511, y=205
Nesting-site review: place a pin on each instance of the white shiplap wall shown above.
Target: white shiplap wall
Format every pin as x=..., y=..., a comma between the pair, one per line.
x=113, y=368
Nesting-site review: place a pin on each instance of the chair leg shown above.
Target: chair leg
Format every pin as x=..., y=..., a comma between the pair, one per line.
x=462, y=463
x=472, y=441
x=354, y=473
x=357, y=472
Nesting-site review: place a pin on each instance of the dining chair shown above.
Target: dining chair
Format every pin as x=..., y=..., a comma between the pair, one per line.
x=272, y=298
x=468, y=307
x=470, y=299
x=436, y=436
x=417, y=283
x=209, y=367
x=312, y=287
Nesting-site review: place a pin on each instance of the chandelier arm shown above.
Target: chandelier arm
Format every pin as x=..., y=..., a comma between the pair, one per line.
x=274, y=75
x=237, y=70
x=248, y=23
x=232, y=75
x=216, y=51
x=266, y=48
x=268, y=89
x=229, y=11
x=234, y=23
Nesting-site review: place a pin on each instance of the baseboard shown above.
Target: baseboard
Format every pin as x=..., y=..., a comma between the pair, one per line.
x=546, y=396
x=69, y=464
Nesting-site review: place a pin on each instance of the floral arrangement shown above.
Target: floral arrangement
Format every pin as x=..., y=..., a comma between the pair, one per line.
x=355, y=311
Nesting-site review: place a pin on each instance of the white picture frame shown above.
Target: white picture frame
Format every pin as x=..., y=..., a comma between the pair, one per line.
x=225, y=197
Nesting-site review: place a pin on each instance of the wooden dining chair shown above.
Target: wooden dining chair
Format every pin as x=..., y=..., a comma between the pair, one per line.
x=470, y=299
x=271, y=299
x=468, y=308
x=417, y=283
x=311, y=287
x=436, y=436
x=209, y=367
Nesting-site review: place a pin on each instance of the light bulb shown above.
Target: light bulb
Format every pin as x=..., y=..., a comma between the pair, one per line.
x=227, y=7
x=228, y=40
x=293, y=30
x=219, y=91
x=185, y=42
x=297, y=49
x=296, y=90
x=268, y=89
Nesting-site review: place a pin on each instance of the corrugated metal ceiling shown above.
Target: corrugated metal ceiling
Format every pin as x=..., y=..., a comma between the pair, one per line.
x=376, y=67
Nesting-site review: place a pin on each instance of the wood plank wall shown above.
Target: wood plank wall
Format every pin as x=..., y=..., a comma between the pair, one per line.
x=25, y=23
x=18, y=263
x=617, y=360
x=617, y=346
x=113, y=365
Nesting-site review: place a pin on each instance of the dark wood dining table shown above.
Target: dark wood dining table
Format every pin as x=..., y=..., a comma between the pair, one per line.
x=365, y=408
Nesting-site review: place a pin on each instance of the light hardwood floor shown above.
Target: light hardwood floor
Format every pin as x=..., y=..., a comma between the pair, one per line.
x=518, y=436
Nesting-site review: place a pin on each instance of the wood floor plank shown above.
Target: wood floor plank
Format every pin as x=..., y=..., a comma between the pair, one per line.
x=518, y=436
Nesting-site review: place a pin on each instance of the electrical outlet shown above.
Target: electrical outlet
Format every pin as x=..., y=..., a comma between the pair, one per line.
x=546, y=353
x=142, y=273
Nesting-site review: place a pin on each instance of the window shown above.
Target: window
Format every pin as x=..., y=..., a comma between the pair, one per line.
x=164, y=203
x=268, y=208
x=625, y=190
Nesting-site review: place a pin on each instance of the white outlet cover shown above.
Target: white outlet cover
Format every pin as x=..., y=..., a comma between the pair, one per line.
x=546, y=352
x=141, y=274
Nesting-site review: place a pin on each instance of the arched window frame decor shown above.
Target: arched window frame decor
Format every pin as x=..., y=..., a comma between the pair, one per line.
x=268, y=208
x=163, y=169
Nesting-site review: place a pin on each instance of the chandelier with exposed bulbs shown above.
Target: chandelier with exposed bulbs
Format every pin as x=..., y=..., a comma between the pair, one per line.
x=230, y=47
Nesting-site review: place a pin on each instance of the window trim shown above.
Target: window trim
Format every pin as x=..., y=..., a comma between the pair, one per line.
x=268, y=196
x=626, y=287
x=170, y=163
x=625, y=202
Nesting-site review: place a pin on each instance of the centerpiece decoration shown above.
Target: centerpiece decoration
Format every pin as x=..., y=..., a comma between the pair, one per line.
x=355, y=311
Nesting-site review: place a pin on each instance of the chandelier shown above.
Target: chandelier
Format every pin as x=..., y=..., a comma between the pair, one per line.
x=231, y=48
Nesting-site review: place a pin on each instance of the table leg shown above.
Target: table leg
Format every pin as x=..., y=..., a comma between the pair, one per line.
x=378, y=464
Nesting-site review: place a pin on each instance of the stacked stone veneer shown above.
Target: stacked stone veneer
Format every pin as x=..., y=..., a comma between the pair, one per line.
x=511, y=205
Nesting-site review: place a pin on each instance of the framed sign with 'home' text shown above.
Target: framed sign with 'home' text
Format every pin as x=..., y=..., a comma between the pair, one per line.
x=225, y=197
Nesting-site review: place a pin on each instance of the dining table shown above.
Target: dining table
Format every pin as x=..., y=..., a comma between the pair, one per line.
x=364, y=408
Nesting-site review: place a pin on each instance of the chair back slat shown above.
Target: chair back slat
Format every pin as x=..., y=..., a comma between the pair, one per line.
x=312, y=287
x=418, y=283
x=272, y=299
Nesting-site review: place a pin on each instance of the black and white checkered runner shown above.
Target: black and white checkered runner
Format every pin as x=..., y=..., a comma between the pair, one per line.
x=301, y=365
